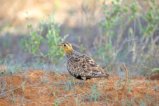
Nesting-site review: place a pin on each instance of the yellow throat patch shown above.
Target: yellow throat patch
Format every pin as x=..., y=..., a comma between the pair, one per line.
x=68, y=49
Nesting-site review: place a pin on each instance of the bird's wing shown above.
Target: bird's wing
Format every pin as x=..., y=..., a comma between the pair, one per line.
x=73, y=65
x=89, y=68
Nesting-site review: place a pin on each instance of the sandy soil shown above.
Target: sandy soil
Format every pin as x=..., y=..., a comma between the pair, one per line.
x=40, y=88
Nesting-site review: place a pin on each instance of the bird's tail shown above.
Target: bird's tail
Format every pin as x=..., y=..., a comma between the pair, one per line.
x=105, y=75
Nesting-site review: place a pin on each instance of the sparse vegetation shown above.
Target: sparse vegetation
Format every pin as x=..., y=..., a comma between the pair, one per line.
x=48, y=34
x=130, y=34
x=94, y=96
x=32, y=71
x=28, y=89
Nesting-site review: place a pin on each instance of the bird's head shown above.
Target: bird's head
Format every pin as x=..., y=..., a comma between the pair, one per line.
x=67, y=47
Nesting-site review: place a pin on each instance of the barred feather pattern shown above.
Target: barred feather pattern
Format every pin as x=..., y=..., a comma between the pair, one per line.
x=84, y=67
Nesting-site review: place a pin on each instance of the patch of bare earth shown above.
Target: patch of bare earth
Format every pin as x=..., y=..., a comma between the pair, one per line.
x=40, y=88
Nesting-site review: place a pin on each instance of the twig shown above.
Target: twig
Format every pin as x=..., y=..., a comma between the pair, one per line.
x=126, y=76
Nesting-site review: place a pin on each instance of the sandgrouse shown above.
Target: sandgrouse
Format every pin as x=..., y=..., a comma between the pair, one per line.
x=80, y=65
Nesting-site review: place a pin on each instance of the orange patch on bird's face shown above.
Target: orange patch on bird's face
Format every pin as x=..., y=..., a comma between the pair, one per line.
x=68, y=49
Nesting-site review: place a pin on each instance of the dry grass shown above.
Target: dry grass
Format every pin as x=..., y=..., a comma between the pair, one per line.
x=39, y=88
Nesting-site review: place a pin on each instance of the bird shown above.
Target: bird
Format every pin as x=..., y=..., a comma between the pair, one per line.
x=80, y=65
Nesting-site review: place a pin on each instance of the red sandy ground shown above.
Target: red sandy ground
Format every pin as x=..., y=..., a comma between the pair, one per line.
x=40, y=88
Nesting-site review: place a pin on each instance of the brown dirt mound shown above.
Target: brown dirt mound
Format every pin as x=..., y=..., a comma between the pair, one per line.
x=40, y=88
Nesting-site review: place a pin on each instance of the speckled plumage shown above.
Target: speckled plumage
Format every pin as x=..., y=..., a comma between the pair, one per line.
x=82, y=66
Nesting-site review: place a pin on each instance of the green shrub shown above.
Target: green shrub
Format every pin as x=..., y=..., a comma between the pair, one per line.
x=47, y=36
x=129, y=33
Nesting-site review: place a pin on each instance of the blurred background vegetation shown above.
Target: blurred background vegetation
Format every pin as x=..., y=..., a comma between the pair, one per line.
x=111, y=31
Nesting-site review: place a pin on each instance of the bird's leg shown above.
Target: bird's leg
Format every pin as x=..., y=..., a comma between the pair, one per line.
x=84, y=78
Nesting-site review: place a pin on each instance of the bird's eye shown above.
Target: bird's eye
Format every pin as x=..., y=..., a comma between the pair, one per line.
x=64, y=45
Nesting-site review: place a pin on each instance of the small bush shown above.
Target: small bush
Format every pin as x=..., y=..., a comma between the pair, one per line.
x=47, y=36
x=130, y=34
